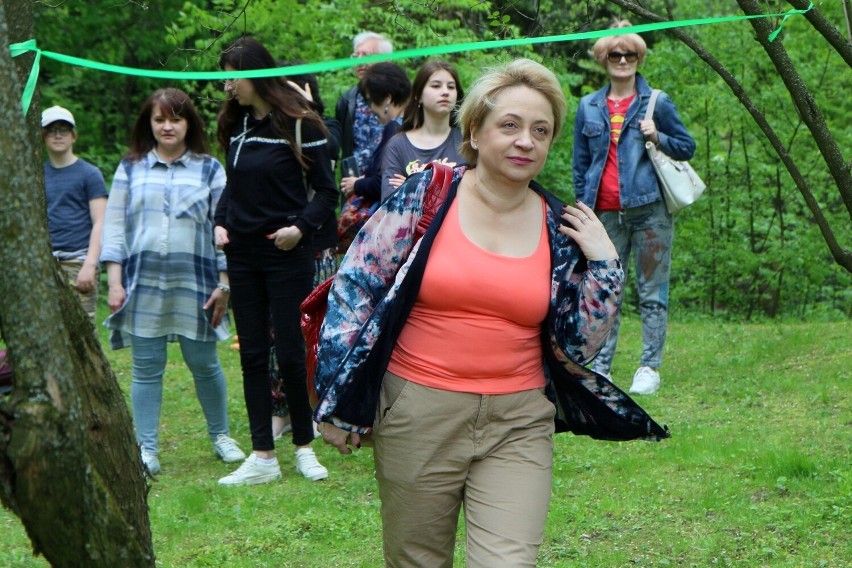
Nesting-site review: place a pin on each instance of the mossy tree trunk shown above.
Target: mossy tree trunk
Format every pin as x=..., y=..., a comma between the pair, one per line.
x=69, y=467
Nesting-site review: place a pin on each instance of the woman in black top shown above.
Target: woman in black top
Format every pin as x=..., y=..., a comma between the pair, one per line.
x=265, y=223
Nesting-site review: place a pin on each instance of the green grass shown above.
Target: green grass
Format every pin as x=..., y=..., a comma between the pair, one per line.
x=757, y=472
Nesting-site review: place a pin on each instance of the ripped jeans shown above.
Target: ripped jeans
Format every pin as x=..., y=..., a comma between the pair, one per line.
x=648, y=233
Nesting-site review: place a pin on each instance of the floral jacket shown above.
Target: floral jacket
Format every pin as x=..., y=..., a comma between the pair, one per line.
x=377, y=284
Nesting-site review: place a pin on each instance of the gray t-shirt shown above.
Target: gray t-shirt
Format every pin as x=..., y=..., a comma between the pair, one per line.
x=68, y=192
x=402, y=157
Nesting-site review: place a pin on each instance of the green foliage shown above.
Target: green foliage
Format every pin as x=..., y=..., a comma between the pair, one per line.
x=748, y=249
x=756, y=473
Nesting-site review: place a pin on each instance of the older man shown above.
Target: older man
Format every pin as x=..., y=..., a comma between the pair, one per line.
x=361, y=129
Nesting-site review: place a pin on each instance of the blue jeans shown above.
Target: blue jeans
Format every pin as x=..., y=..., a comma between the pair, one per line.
x=146, y=387
x=266, y=281
x=648, y=233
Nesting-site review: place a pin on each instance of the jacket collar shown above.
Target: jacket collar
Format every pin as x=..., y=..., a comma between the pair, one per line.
x=643, y=91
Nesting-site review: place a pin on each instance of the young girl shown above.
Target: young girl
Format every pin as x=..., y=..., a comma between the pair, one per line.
x=427, y=133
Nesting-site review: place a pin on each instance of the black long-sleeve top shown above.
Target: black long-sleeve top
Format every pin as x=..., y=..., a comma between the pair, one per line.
x=266, y=188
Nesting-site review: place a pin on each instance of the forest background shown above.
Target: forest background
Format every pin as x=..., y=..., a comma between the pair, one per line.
x=747, y=250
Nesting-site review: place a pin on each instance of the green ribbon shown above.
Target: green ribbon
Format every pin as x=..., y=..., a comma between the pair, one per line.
x=21, y=48
x=18, y=49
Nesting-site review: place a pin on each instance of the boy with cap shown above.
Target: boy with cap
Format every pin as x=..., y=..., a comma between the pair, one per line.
x=76, y=198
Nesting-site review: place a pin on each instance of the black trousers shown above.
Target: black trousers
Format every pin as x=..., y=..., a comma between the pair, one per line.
x=267, y=285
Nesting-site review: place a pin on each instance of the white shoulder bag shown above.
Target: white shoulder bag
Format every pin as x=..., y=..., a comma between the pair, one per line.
x=680, y=184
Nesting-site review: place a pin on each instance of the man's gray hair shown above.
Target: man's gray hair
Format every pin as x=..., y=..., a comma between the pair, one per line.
x=385, y=45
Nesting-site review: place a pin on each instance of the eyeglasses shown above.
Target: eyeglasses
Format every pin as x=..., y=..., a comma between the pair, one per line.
x=615, y=56
x=61, y=130
x=356, y=54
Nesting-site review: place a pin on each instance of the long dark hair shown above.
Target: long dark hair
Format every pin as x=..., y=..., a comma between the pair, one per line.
x=287, y=105
x=413, y=115
x=169, y=101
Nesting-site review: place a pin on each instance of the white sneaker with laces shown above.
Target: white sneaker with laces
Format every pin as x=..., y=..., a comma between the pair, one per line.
x=307, y=465
x=151, y=461
x=227, y=449
x=251, y=472
x=645, y=381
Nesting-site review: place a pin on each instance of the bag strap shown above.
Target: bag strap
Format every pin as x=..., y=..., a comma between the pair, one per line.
x=649, y=112
x=436, y=194
x=299, y=148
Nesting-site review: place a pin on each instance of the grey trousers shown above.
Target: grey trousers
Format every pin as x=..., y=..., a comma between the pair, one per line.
x=647, y=233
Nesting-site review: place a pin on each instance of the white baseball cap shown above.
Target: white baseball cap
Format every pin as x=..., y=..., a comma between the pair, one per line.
x=54, y=114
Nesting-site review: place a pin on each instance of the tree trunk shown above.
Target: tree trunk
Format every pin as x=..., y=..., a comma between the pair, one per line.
x=69, y=467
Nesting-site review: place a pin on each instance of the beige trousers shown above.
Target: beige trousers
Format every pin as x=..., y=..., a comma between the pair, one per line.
x=89, y=300
x=437, y=450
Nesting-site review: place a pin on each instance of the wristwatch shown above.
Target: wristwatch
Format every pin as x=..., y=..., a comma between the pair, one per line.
x=224, y=287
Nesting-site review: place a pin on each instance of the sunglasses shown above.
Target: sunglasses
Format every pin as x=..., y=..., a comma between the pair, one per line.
x=615, y=56
x=60, y=130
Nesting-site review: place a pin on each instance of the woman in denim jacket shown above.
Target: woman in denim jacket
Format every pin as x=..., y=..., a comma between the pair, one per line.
x=613, y=173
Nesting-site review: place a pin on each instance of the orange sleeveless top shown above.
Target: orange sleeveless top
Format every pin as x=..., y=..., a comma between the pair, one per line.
x=476, y=324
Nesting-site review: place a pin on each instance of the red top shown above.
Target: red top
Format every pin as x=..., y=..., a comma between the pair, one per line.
x=609, y=195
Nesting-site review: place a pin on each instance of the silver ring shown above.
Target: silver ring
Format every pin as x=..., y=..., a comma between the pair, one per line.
x=583, y=218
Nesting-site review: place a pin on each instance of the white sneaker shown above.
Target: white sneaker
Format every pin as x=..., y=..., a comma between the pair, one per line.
x=151, y=462
x=252, y=473
x=227, y=449
x=645, y=381
x=307, y=465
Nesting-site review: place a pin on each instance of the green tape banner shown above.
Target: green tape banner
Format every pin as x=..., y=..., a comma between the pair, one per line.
x=322, y=66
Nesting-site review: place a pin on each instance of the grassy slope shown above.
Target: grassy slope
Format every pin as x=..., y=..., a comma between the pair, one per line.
x=757, y=473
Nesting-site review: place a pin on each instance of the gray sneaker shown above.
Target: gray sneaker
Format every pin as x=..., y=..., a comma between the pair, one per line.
x=227, y=449
x=151, y=462
x=252, y=473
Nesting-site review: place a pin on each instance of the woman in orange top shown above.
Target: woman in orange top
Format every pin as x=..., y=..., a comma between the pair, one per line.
x=462, y=354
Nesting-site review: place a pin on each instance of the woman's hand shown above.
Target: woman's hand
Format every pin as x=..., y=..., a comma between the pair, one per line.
x=347, y=185
x=220, y=236
x=116, y=297
x=649, y=130
x=339, y=438
x=396, y=181
x=588, y=232
x=286, y=238
x=219, y=302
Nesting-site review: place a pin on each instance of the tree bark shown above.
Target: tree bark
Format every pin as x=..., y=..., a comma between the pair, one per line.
x=805, y=104
x=69, y=467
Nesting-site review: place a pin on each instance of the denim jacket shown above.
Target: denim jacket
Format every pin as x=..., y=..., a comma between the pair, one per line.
x=637, y=180
x=377, y=285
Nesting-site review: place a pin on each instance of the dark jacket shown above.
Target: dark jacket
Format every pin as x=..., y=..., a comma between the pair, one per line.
x=344, y=113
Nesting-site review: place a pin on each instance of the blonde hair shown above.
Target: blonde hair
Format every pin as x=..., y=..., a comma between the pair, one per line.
x=627, y=42
x=479, y=101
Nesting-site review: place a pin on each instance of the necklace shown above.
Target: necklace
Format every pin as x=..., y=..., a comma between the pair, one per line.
x=616, y=103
